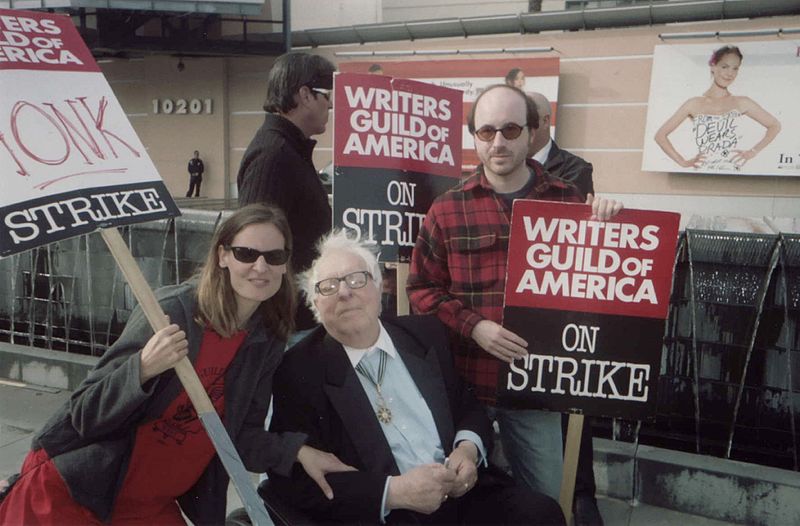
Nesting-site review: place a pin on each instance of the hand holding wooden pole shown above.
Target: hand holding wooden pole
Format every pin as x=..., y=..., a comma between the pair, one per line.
x=188, y=377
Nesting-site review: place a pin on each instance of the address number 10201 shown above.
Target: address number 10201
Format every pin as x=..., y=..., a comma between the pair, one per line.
x=183, y=106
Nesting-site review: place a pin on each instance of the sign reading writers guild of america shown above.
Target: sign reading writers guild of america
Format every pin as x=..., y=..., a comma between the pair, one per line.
x=591, y=300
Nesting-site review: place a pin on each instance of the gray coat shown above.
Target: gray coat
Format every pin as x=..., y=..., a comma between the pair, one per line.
x=91, y=448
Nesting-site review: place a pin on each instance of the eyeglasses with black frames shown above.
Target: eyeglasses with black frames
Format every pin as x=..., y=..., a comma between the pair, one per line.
x=510, y=131
x=251, y=255
x=354, y=280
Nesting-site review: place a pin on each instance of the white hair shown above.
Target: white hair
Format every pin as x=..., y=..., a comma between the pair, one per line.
x=337, y=241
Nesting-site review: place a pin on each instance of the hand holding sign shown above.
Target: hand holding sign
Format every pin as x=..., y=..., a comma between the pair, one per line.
x=166, y=348
x=603, y=209
x=499, y=341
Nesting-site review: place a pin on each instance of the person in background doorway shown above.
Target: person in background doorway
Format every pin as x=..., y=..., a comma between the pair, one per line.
x=196, y=170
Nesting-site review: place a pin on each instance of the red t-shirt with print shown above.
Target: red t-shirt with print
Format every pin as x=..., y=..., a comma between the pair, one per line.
x=172, y=451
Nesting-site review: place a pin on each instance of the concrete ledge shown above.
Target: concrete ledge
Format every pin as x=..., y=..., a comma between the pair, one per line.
x=59, y=370
x=614, y=467
x=717, y=488
x=724, y=490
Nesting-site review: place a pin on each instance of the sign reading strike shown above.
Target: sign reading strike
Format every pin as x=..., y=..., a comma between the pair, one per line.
x=591, y=300
x=69, y=159
x=397, y=145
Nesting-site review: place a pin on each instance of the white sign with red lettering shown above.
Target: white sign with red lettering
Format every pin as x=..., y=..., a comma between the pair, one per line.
x=70, y=162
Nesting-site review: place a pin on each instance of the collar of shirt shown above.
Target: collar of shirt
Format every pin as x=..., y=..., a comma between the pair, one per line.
x=542, y=154
x=478, y=180
x=383, y=342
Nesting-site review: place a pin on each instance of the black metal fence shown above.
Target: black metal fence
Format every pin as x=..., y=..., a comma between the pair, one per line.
x=730, y=364
x=731, y=355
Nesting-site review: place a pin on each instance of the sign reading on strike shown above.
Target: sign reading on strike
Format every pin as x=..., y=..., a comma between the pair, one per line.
x=397, y=145
x=591, y=300
x=70, y=162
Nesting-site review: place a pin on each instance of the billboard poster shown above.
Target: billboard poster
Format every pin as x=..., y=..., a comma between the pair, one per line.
x=724, y=108
x=70, y=162
x=591, y=299
x=471, y=77
x=396, y=146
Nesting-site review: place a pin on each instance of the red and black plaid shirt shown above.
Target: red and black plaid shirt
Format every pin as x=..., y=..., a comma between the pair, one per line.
x=458, y=266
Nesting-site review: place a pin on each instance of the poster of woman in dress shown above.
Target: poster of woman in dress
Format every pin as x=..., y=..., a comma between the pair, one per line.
x=738, y=121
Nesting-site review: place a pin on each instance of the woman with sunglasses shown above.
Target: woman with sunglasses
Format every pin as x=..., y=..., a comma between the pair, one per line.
x=716, y=118
x=128, y=448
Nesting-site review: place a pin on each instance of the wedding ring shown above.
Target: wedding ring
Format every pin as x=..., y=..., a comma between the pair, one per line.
x=466, y=485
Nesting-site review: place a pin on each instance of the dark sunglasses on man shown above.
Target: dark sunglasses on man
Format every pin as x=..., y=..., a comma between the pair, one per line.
x=251, y=255
x=510, y=131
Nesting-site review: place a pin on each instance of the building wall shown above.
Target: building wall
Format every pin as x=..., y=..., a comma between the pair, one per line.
x=604, y=86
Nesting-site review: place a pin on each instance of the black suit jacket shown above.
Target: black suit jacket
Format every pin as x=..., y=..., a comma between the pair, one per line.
x=570, y=168
x=317, y=392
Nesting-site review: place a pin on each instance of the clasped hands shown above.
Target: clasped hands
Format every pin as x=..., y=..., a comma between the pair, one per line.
x=424, y=488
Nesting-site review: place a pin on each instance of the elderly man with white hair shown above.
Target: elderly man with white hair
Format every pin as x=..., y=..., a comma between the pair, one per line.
x=381, y=394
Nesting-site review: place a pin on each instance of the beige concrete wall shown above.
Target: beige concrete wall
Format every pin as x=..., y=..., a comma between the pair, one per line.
x=170, y=139
x=603, y=92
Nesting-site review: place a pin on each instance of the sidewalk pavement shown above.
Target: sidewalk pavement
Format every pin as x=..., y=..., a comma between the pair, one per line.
x=25, y=408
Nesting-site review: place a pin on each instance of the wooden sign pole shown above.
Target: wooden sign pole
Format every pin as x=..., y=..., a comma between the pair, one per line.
x=402, y=297
x=571, y=450
x=188, y=377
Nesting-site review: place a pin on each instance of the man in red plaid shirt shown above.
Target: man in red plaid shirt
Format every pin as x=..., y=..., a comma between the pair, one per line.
x=459, y=263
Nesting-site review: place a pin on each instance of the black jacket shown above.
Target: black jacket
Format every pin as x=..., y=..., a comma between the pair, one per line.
x=277, y=168
x=196, y=167
x=570, y=168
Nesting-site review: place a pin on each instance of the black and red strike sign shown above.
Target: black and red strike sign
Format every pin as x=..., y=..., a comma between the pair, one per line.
x=591, y=300
x=397, y=145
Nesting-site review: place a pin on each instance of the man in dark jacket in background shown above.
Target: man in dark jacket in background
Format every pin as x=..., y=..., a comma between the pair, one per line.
x=278, y=167
x=557, y=162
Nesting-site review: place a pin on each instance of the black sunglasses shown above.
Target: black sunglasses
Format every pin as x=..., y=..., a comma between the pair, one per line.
x=251, y=255
x=510, y=131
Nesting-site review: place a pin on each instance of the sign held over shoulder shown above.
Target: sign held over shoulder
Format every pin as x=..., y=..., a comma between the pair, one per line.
x=70, y=161
x=591, y=300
